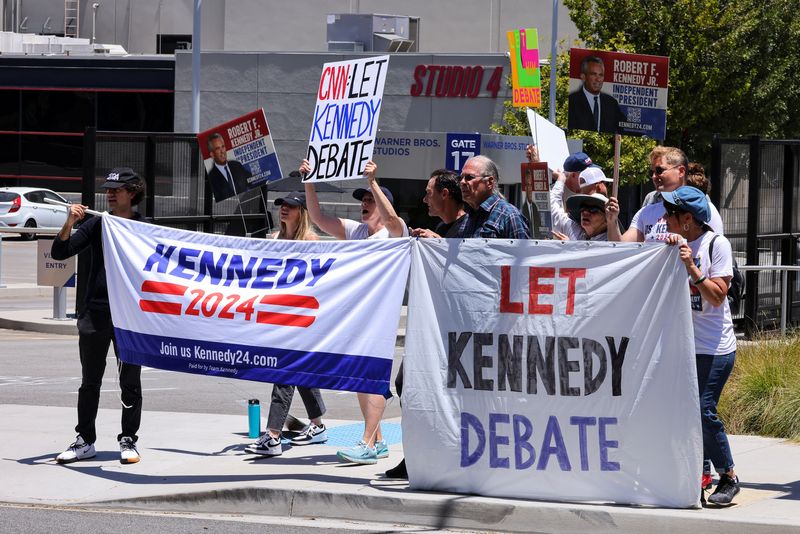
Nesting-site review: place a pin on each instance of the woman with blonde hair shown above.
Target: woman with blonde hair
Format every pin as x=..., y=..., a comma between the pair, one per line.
x=295, y=225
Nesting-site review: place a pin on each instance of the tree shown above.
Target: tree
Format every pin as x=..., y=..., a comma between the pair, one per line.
x=733, y=63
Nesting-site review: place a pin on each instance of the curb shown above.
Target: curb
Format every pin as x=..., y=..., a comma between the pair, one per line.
x=442, y=511
x=65, y=328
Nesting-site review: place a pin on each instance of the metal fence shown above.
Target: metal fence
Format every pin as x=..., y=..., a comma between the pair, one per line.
x=178, y=195
x=756, y=186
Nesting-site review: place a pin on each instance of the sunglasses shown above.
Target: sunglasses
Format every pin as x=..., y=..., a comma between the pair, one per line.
x=592, y=209
x=658, y=171
x=470, y=177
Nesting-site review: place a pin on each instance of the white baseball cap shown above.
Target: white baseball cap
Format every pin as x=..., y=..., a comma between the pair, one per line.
x=591, y=176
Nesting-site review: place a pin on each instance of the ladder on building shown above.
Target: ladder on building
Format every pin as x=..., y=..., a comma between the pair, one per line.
x=71, y=16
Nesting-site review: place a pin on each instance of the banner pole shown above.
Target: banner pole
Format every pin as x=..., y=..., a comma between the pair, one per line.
x=615, y=185
x=67, y=205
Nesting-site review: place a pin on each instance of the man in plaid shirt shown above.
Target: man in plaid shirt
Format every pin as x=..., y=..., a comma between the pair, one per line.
x=488, y=213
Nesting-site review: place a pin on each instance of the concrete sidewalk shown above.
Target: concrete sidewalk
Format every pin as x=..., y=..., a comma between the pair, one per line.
x=197, y=463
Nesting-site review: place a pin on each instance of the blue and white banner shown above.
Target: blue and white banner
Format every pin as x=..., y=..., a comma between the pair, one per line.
x=309, y=313
x=555, y=371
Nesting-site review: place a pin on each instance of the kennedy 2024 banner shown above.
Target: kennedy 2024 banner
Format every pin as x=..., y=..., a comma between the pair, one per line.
x=308, y=313
x=346, y=116
x=557, y=371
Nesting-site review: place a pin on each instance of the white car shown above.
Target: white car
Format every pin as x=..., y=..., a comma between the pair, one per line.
x=25, y=207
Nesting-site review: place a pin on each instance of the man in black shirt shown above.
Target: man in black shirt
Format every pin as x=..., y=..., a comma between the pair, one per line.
x=124, y=190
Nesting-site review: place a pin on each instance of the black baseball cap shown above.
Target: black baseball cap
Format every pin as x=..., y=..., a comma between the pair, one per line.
x=358, y=194
x=292, y=199
x=120, y=177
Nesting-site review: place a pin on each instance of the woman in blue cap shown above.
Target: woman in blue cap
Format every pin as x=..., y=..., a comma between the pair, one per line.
x=709, y=264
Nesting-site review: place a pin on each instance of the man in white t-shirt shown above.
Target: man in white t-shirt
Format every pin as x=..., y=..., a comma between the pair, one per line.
x=668, y=166
x=378, y=221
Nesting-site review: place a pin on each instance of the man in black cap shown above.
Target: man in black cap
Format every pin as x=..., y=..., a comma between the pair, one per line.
x=124, y=190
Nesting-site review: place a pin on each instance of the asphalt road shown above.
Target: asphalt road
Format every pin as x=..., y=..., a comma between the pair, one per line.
x=47, y=520
x=44, y=370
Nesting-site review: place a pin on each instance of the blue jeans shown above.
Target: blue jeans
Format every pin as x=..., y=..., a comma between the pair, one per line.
x=712, y=373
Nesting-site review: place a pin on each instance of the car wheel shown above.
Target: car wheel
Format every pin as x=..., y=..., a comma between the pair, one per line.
x=30, y=223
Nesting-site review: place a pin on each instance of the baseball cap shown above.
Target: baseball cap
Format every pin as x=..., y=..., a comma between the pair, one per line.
x=120, y=177
x=358, y=194
x=577, y=162
x=292, y=199
x=576, y=202
x=691, y=199
x=591, y=176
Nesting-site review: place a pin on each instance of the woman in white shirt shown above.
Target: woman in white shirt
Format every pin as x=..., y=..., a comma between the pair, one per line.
x=378, y=221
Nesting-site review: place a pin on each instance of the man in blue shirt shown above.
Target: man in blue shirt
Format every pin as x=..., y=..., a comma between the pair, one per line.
x=488, y=213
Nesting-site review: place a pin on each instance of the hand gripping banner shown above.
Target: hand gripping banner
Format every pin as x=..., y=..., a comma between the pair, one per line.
x=307, y=313
x=551, y=370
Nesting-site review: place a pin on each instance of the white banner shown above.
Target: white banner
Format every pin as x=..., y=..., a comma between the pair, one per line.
x=558, y=371
x=345, y=120
x=309, y=313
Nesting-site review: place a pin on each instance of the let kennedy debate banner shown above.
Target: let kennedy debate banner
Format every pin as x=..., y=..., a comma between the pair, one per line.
x=345, y=121
x=557, y=371
x=307, y=313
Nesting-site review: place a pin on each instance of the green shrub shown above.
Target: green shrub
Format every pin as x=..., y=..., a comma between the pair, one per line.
x=762, y=395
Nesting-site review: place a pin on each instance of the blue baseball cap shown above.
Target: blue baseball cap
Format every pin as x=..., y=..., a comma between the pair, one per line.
x=690, y=199
x=577, y=162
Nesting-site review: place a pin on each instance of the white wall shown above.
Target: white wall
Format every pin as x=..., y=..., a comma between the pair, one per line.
x=446, y=26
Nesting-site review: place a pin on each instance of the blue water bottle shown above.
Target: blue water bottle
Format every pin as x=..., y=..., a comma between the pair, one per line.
x=253, y=418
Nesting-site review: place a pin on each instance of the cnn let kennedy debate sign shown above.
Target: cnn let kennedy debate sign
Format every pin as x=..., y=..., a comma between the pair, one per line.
x=549, y=371
x=307, y=313
x=345, y=121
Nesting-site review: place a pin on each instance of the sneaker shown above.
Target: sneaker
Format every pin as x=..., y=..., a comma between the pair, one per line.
x=360, y=454
x=79, y=450
x=399, y=471
x=706, y=481
x=266, y=445
x=381, y=449
x=726, y=490
x=127, y=451
x=312, y=434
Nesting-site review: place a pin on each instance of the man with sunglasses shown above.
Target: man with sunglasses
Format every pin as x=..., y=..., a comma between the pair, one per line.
x=489, y=215
x=668, y=166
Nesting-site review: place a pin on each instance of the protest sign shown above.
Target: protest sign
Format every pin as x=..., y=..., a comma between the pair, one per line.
x=631, y=92
x=526, y=81
x=557, y=371
x=550, y=140
x=307, y=313
x=345, y=120
x=239, y=155
x=535, y=176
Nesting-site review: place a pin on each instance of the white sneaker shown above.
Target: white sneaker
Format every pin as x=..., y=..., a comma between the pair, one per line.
x=312, y=434
x=79, y=450
x=266, y=446
x=127, y=451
